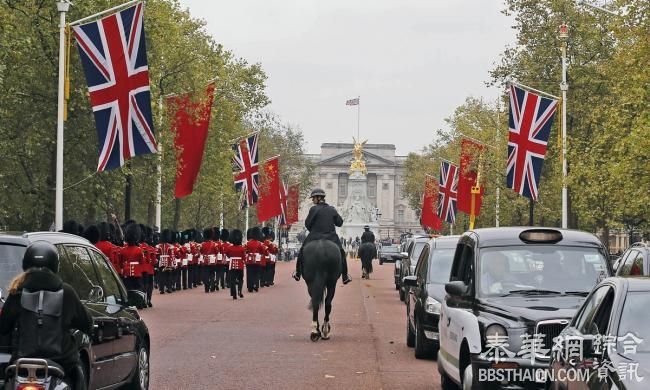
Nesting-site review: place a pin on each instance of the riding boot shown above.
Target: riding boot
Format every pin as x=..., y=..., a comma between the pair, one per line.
x=299, y=260
x=344, y=268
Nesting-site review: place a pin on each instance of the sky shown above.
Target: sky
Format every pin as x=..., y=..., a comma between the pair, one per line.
x=411, y=62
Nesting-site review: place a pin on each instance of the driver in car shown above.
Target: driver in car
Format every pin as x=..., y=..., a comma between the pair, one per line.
x=496, y=274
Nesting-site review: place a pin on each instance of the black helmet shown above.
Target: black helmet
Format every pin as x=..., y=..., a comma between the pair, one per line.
x=366, y=227
x=317, y=192
x=41, y=254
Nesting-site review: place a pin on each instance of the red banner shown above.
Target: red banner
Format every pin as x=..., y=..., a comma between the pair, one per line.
x=469, y=160
x=190, y=124
x=293, y=202
x=268, y=203
x=429, y=216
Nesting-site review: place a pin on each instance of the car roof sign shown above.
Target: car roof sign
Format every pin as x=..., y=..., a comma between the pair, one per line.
x=548, y=236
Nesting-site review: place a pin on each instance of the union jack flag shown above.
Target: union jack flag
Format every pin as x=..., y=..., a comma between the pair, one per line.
x=530, y=120
x=114, y=58
x=448, y=191
x=283, y=204
x=246, y=175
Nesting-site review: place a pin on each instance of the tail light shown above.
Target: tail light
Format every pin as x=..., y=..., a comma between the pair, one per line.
x=29, y=386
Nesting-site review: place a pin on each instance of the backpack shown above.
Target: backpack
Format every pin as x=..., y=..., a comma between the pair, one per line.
x=40, y=323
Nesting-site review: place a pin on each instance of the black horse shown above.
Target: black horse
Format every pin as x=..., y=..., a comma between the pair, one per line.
x=321, y=270
x=367, y=252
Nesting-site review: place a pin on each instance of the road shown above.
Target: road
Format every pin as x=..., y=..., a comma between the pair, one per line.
x=209, y=341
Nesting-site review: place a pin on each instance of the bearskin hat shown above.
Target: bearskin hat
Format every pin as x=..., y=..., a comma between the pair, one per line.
x=71, y=227
x=272, y=237
x=166, y=236
x=266, y=232
x=224, y=235
x=254, y=233
x=104, y=231
x=236, y=237
x=133, y=234
x=92, y=234
x=207, y=234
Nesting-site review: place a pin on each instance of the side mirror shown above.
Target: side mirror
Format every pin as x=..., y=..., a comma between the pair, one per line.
x=96, y=294
x=137, y=298
x=404, y=255
x=457, y=288
x=410, y=281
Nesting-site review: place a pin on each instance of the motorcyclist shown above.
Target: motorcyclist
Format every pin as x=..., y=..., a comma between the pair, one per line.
x=321, y=222
x=40, y=265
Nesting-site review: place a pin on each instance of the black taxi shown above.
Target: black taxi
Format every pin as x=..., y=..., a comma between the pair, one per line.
x=511, y=291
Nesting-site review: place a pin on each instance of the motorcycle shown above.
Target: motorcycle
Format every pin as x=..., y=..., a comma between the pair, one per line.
x=35, y=374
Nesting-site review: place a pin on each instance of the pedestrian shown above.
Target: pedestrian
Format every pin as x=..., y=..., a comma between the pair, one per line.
x=321, y=222
x=236, y=253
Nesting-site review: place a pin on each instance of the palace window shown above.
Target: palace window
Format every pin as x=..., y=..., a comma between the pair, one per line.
x=384, y=186
x=400, y=216
x=343, y=185
x=372, y=185
x=329, y=185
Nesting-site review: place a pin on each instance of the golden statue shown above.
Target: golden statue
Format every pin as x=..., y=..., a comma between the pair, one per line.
x=358, y=164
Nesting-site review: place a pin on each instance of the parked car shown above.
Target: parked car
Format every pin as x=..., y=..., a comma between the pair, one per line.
x=413, y=249
x=426, y=291
x=635, y=261
x=389, y=253
x=117, y=353
x=506, y=286
x=615, y=311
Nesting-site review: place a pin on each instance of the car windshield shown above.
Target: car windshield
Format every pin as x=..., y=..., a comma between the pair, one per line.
x=417, y=250
x=440, y=265
x=11, y=257
x=633, y=328
x=540, y=270
x=390, y=249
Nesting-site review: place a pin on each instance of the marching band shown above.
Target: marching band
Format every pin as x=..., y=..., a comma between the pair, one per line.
x=174, y=261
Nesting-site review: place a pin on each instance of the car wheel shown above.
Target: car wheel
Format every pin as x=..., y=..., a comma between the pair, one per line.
x=402, y=295
x=410, y=336
x=469, y=381
x=381, y=262
x=421, y=346
x=396, y=286
x=446, y=383
x=140, y=380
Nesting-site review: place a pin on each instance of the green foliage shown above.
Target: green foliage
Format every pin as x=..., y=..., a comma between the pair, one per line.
x=182, y=57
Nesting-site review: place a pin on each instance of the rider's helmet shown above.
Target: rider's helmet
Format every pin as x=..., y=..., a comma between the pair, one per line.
x=41, y=254
x=366, y=228
x=317, y=192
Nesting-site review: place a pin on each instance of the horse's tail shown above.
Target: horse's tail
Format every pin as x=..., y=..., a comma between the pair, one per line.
x=317, y=290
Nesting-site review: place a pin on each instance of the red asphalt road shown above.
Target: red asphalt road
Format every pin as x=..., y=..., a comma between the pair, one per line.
x=209, y=341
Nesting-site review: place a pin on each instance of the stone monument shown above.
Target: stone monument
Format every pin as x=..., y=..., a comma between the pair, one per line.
x=357, y=211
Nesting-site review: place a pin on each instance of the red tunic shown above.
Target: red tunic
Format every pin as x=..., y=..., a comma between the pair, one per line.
x=131, y=259
x=149, y=258
x=112, y=252
x=272, y=251
x=165, y=256
x=255, y=251
x=236, y=253
x=208, y=252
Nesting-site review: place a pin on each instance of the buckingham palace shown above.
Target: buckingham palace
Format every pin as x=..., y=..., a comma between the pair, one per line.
x=372, y=197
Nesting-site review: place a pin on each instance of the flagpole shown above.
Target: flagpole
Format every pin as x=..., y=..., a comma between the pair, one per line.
x=498, y=192
x=564, y=36
x=104, y=12
x=159, y=167
x=358, y=115
x=247, y=208
x=62, y=7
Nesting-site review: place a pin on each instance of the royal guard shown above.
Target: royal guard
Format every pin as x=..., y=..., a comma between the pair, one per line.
x=165, y=261
x=236, y=253
x=109, y=249
x=149, y=253
x=221, y=278
x=186, y=257
x=255, y=251
x=178, y=261
x=209, y=251
x=272, y=249
x=132, y=258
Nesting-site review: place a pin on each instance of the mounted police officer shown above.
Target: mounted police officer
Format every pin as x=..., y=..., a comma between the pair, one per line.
x=367, y=235
x=321, y=222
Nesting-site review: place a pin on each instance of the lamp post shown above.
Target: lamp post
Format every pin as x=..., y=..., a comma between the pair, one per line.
x=62, y=7
x=564, y=87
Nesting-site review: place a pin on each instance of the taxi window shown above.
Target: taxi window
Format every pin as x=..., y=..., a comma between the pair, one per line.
x=540, y=269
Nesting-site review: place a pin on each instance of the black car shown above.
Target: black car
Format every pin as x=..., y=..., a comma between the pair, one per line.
x=117, y=353
x=612, y=330
x=414, y=247
x=635, y=261
x=511, y=292
x=426, y=291
x=389, y=253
